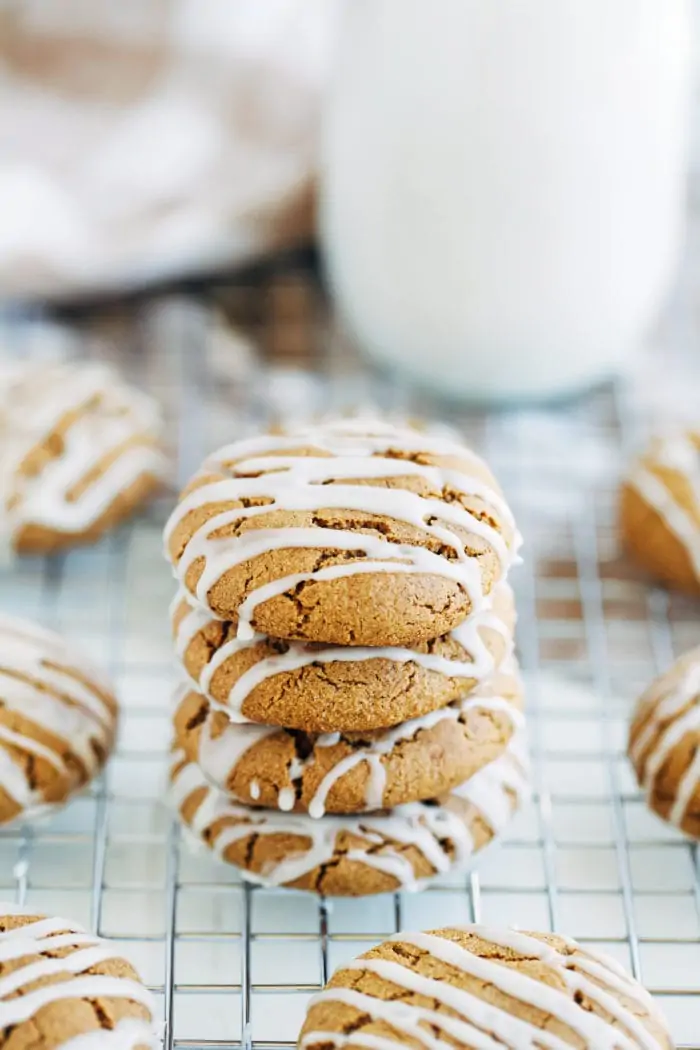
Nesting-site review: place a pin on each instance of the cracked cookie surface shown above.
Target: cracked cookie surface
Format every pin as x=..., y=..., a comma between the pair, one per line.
x=351, y=773
x=660, y=510
x=664, y=744
x=482, y=987
x=59, y=983
x=320, y=688
x=57, y=720
x=79, y=451
x=352, y=532
x=355, y=856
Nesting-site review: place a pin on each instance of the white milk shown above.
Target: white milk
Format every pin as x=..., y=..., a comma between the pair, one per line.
x=503, y=185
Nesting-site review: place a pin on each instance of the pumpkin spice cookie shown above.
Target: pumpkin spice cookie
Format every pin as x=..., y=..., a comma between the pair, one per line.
x=475, y=986
x=79, y=451
x=660, y=510
x=324, y=688
x=355, y=772
x=664, y=744
x=351, y=532
x=354, y=856
x=61, y=986
x=57, y=720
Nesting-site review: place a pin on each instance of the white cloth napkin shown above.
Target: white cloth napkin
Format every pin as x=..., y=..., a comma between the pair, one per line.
x=148, y=138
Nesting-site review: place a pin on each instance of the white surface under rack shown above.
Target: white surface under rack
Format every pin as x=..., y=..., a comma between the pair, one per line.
x=235, y=966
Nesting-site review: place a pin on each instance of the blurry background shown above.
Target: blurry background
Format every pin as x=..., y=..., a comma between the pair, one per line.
x=145, y=140
x=500, y=193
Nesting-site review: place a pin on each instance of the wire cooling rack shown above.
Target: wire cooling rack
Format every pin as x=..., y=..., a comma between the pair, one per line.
x=234, y=966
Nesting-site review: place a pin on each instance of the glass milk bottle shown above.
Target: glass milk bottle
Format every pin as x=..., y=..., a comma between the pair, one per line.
x=503, y=186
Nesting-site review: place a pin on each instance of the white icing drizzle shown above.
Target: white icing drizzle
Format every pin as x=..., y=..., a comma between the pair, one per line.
x=218, y=758
x=33, y=404
x=477, y=667
x=218, y=755
x=673, y=702
x=297, y=483
x=44, y=935
x=679, y=453
x=286, y=799
x=54, y=700
x=426, y=826
x=482, y=1024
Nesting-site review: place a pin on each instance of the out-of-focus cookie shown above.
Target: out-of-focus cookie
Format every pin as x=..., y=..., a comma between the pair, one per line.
x=355, y=772
x=79, y=451
x=62, y=987
x=660, y=510
x=354, y=856
x=664, y=744
x=477, y=986
x=349, y=532
x=324, y=689
x=57, y=720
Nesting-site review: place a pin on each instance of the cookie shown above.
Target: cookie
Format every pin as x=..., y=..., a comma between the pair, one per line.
x=350, y=532
x=78, y=453
x=62, y=987
x=351, y=773
x=476, y=986
x=664, y=744
x=57, y=720
x=324, y=689
x=355, y=856
x=660, y=510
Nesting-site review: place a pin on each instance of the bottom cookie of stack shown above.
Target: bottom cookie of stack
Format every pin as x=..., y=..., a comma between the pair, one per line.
x=355, y=856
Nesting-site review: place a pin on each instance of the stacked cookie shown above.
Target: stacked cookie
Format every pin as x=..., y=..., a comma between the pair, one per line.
x=354, y=723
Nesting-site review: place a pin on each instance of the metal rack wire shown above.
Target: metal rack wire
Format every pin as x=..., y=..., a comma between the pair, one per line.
x=234, y=966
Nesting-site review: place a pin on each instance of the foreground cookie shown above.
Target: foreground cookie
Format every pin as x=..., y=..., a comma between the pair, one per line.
x=351, y=533
x=323, y=688
x=361, y=855
x=57, y=720
x=660, y=510
x=477, y=987
x=351, y=773
x=78, y=453
x=664, y=744
x=63, y=987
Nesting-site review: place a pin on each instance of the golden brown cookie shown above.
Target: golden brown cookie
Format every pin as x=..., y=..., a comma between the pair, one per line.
x=59, y=983
x=349, y=532
x=79, y=451
x=664, y=744
x=324, y=689
x=660, y=510
x=354, y=856
x=354, y=772
x=482, y=987
x=57, y=720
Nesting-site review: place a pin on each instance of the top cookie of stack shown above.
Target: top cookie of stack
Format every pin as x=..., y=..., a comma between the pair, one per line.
x=350, y=533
